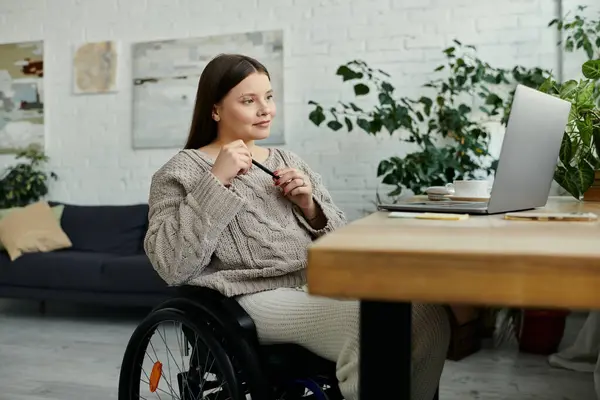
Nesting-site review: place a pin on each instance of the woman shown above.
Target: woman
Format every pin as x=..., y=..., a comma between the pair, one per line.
x=217, y=221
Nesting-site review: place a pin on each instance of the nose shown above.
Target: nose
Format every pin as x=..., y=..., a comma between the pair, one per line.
x=264, y=110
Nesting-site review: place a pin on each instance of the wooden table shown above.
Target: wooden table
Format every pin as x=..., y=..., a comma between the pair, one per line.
x=387, y=263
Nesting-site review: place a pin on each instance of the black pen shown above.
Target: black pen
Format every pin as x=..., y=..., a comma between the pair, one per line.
x=259, y=165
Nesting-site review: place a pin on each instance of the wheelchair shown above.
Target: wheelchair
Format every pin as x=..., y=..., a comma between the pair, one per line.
x=224, y=358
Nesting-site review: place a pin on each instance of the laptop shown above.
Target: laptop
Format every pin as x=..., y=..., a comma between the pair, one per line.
x=527, y=160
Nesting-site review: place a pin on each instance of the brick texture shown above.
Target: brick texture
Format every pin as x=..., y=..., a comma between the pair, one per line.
x=89, y=137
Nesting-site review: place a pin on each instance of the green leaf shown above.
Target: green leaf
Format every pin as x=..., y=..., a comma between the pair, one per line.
x=355, y=108
x=547, y=85
x=383, y=167
x=591, y=69
x=349, y=125
x=390, y=179
x=316, y=116
x=387, y=87
x=449, y=51
x=364, y=124
x=568, y=88
x=360, y=89
x=334, y=125
x=589, y=48
x=427, y=104
x=347, y=73
x=385, y=99
x=585, y=96
x=566, y=151
x=585, y=129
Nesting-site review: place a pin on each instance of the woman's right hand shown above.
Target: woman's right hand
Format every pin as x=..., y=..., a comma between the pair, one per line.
x=234, y=159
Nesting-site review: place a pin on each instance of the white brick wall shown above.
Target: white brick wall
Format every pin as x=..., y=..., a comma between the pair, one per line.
x=89, y=137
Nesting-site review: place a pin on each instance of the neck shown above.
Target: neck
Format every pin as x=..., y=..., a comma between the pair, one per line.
x=220, y=142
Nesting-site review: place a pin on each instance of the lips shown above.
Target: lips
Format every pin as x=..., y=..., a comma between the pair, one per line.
x=263, y=123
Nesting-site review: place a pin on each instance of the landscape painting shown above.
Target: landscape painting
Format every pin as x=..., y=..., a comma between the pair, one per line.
x=165, y=79
x=95, y=68
x=21, y=96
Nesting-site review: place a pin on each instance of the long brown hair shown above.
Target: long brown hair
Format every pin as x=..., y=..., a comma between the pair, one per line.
x=219, y=76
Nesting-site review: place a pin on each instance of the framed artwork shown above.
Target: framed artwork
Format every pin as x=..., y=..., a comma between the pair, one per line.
x=95, y=68
x=21, y=96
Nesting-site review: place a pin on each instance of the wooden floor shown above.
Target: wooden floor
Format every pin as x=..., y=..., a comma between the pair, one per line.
x=74, y=352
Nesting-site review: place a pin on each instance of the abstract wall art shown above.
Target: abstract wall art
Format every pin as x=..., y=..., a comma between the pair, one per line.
x=165, y=79
x=21, y=95
x=95, y=68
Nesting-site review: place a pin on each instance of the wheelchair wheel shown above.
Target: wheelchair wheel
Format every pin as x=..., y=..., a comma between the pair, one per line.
x=197, y=368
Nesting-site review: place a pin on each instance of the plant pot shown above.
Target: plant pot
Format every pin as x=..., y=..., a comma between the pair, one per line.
x=593, y=192
x=541, y=331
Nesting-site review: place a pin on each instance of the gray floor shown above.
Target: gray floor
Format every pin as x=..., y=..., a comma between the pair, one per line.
x=74, y=352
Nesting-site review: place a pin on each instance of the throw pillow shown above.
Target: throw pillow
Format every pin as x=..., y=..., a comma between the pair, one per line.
x=57, y=210
x=32, y=229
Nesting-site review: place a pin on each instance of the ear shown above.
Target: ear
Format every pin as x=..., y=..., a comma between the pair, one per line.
x=215, y=113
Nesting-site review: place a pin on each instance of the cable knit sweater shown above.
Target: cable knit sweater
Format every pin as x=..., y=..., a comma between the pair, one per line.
x=240, y=239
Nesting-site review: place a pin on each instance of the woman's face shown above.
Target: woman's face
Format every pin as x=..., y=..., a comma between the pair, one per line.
x=247, y=110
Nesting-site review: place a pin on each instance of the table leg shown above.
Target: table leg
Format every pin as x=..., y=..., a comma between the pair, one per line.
x=385, y=334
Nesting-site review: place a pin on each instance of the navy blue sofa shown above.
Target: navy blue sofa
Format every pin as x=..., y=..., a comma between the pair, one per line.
x=106, y=264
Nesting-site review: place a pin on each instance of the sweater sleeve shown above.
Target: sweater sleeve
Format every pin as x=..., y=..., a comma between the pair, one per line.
x=185, y=225
x=334, y=216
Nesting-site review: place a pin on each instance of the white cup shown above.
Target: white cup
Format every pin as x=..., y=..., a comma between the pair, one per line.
x=479, y=188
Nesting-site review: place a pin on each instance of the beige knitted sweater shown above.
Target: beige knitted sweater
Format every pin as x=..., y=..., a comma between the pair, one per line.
x=238, y=240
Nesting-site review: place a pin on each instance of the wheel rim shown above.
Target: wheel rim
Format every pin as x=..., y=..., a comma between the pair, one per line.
x=177, y=359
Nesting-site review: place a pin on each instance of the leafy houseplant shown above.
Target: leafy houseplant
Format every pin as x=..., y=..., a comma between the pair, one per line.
x=580, y=147
x=451, y=140
x=26, y=182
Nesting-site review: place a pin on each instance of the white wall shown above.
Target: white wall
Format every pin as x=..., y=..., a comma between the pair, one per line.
x=89, y=137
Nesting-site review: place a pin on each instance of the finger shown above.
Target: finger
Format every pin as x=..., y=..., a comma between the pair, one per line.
x=293, y=184
x=282, y=171
x=245, y=160
x=244, y=163
x=299, y=190
x=288, y=176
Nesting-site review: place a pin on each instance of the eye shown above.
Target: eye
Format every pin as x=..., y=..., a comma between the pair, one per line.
x=270, y=97
x=247, y=101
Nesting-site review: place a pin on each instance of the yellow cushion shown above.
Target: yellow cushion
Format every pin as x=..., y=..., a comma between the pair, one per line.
x=32, y=229
x=57, y=210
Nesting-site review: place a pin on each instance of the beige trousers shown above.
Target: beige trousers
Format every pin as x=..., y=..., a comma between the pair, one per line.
x=330, y=329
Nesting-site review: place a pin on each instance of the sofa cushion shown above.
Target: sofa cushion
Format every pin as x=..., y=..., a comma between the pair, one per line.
x=32, y=229
x=62, y=269
x=106, y=229
x=57, y=210
x=132, y=274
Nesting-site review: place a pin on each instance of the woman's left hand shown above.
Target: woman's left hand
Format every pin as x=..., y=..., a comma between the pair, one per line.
x=296, y=186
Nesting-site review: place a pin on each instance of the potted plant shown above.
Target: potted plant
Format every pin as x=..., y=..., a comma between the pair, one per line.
x=26, y=182
x=447, y=129
x=580, y=148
